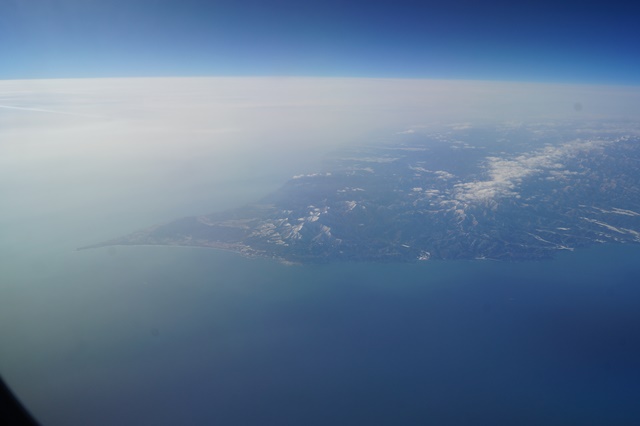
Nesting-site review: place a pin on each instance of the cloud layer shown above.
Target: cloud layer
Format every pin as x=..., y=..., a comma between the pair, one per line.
x=506, y=174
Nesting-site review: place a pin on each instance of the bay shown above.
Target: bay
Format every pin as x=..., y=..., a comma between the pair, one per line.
x=165, y=335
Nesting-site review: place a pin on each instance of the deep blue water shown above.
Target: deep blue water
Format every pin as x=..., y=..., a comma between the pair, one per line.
x=158, y=335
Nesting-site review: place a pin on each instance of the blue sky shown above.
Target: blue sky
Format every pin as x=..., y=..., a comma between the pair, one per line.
x=570, y=41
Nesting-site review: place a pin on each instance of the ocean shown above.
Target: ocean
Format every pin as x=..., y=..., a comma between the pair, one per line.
x=167, y=335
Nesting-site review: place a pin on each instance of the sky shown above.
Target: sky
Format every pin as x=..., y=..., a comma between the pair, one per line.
x=542, y=41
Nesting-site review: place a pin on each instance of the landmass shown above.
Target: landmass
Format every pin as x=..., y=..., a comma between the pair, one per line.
x=509, y=192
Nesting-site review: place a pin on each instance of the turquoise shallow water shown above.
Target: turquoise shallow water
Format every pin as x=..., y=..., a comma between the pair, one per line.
x=160, y=335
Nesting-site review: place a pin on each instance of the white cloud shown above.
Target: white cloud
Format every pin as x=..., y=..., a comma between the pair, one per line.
x=506, y=174
x=50, y=111
x=443, y=175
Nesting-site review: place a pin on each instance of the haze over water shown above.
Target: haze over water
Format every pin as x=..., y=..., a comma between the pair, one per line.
x=160, y=335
